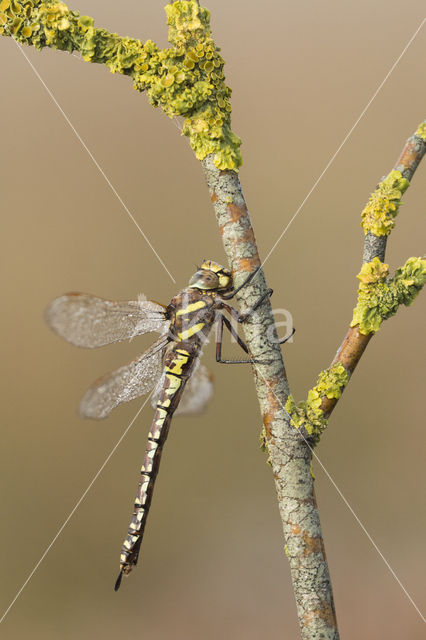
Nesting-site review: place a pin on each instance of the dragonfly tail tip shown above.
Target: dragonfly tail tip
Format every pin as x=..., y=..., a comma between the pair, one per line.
x=118, y=581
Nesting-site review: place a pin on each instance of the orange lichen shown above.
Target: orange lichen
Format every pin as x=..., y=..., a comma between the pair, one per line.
x=313, y=544
x=326, y=613
x=236, y=212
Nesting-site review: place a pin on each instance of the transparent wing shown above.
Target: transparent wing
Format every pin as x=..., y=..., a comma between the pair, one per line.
x=197, y=392
x=88, y=321
x=124, y=384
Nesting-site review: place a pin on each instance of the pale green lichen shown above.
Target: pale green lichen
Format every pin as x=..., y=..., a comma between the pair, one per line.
x=421, y=131
x=307, y=415
x=379, y=214
x=263, y=442
x=185, y=80
x=380, y=296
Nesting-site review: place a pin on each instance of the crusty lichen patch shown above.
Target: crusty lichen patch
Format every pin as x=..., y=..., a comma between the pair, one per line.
x=379, y=214
x=307, y=415
x=186, y=80
x=380, y=296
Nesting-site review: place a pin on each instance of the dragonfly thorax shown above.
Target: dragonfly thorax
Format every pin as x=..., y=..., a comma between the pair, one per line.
x=192, y=314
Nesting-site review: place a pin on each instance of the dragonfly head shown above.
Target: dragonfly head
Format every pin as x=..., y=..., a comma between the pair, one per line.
x=211, y=276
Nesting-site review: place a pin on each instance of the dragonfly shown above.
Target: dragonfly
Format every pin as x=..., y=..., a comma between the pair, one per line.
x=170, y=368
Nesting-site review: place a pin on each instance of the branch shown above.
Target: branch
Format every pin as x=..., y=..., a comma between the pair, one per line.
x=290, y=456
x=185, y=80
x=406, y=165
x=379, y=296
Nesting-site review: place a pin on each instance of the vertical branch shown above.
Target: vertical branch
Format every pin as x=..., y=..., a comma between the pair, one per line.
x=290, y=455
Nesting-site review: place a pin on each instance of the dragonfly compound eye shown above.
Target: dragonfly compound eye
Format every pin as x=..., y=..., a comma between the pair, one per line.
x=204, y=279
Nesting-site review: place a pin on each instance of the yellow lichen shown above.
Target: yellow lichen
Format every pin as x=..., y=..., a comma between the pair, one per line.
x=307, y=416
x=379, y=296
x=421, y=131
x=185, y=80
x=382, y=207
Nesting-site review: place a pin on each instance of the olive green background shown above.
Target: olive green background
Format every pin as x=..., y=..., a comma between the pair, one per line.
x=212, y=563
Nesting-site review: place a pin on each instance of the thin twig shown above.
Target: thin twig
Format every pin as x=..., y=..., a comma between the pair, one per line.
x=355, y=342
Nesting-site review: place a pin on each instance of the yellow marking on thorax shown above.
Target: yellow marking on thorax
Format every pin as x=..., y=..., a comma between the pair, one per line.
x=194, y=306
x=188, y=333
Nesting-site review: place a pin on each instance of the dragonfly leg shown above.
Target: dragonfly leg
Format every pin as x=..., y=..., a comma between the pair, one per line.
x=243, y=317
x=249, y=278
x=293, y=331
x=219, y=336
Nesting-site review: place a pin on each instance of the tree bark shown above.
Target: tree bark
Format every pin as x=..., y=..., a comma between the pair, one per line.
x=290, y=455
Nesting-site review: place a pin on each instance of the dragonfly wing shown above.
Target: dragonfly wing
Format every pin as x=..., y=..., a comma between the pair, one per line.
x=88, y=321
x=197, y=393
x=129, y=382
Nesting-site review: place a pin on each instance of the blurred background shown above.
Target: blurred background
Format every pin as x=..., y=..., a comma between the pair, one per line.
x=212, y=564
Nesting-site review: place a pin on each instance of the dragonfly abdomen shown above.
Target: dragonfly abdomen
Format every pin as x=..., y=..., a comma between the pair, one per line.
x=178, y=367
